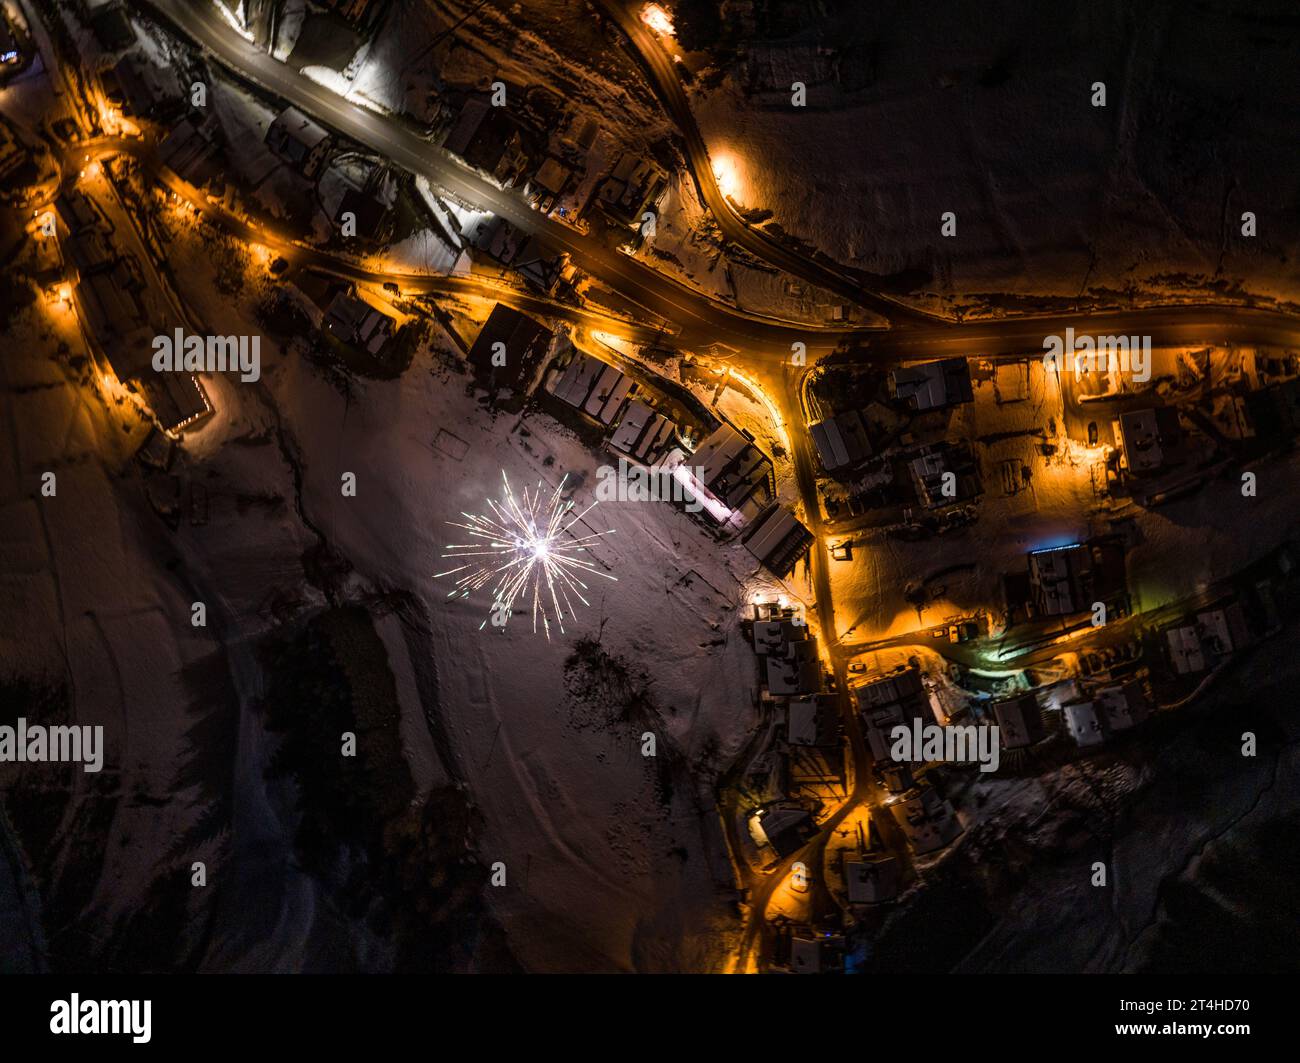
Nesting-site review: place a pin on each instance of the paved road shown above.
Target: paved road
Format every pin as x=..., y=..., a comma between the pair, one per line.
x=261, y=231
x=1170, y=326
x=702, y=321
x=658, y=62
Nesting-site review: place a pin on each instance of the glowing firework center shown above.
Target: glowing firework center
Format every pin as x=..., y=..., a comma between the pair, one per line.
x=524, y=547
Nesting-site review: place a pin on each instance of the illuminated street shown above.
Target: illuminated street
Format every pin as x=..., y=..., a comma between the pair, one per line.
x=593, y=486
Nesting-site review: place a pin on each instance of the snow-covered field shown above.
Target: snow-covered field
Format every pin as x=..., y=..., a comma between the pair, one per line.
x=614, y=861
x=987, y=112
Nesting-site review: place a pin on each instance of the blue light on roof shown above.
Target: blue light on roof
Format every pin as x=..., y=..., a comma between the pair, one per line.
x=1056, y=549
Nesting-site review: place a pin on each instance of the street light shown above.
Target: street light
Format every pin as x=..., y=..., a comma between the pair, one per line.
x=658, y=20
x=726, y=172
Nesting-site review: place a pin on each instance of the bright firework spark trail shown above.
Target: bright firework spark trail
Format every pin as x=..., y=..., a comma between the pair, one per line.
x=524, y=546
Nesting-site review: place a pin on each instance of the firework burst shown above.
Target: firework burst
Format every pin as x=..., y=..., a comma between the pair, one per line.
x=523, y=548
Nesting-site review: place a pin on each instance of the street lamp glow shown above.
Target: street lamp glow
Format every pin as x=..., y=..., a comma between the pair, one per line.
x=726, y=172
x=657, y=19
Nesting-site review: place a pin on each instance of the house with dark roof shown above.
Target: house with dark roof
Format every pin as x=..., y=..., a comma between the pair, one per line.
x=489, y=139
x=778, y=540
x=373, y=216
x=1019, y=720
x=597, y=388
x=787, y=827
x=730, y=477
x=508, y=348
x=841, y=441
x=1150, y=440
x=1065, y=580
x=932, y=385
x=301, y=142
x=944, y=474
x=891, y=700
x=143, y=90
x=927, y=820
x=351, y=320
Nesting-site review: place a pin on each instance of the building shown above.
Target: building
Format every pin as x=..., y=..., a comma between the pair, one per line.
x=842, y=441
x=372, y=215
x=927, y=820
x=771, y=634
x=643, y=433
x=176, y=399
x=508, y=347
x=190, y=150
x=353, y=11
x=812, y=721
x=729, y=476
x=870, y=878
x=796, y=671
x=489, y=139
x=552, y=274
x=1121, y=706
x=508, y=246
x=816, y=953
x=944, y=474
x=786, y=827
x=798, y=948
x=597, y=388
x=632, y=188
x=549, y=183
x=789, y=654
x=1083, y=723
x=89, y=251
x=299, y=141
x=112, y=27
x=1150, y=440
x=143, y=90
x=895, y=776
x=112, y=311
x=778, y=540
x=1019, y=720
x=12, y=153
x=1065, y=580
x=497, y=239
x=351, y=320
x=1274, y=411
x=78, y=212
x=889, y=701
x=933, y=385
x=1207, y=640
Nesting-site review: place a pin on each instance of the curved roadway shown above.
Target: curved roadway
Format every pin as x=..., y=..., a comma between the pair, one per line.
x=703, y=321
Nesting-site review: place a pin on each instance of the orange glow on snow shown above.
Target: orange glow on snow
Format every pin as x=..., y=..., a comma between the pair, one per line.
x=726, y=171
x=657, y=19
